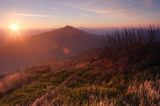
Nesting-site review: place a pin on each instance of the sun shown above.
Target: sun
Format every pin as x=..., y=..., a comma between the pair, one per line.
x=14, y=27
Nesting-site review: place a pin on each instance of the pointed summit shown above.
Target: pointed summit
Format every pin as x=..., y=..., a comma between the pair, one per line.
x=69, y=28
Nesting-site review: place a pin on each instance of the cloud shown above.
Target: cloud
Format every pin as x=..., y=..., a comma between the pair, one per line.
x=85, y=15
x=54, y=8
x=107, y=11
x=97, y=11
x=148, y=2
x=34, y=15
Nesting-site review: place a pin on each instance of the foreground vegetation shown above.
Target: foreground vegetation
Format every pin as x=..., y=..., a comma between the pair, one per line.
x=126, y=72
x=86, y=86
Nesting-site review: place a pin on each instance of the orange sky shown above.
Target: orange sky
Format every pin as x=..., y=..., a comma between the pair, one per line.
x=88, y=13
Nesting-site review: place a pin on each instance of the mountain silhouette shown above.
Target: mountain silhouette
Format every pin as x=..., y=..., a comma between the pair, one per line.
x=59, y=43
x=64, y=38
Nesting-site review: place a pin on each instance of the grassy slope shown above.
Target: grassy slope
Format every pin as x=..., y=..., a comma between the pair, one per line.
x=89, y=84
x=126, y=73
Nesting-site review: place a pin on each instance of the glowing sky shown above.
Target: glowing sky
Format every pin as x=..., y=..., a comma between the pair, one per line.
x=86, y=13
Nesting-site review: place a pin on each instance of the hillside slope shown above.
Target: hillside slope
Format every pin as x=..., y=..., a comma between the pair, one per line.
x=84, y=82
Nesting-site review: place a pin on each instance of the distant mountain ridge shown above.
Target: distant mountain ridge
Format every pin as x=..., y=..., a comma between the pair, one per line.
x=58, y=43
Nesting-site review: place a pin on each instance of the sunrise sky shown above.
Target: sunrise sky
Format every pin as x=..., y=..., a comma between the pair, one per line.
x=78, y=13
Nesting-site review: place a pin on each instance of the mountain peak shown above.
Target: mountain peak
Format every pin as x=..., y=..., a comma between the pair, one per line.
x=68, y=27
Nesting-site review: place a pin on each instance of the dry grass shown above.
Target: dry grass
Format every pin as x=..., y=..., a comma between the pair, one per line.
x=87, y=86
x=147, y=92
x=131, y=46
x=15, y=80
